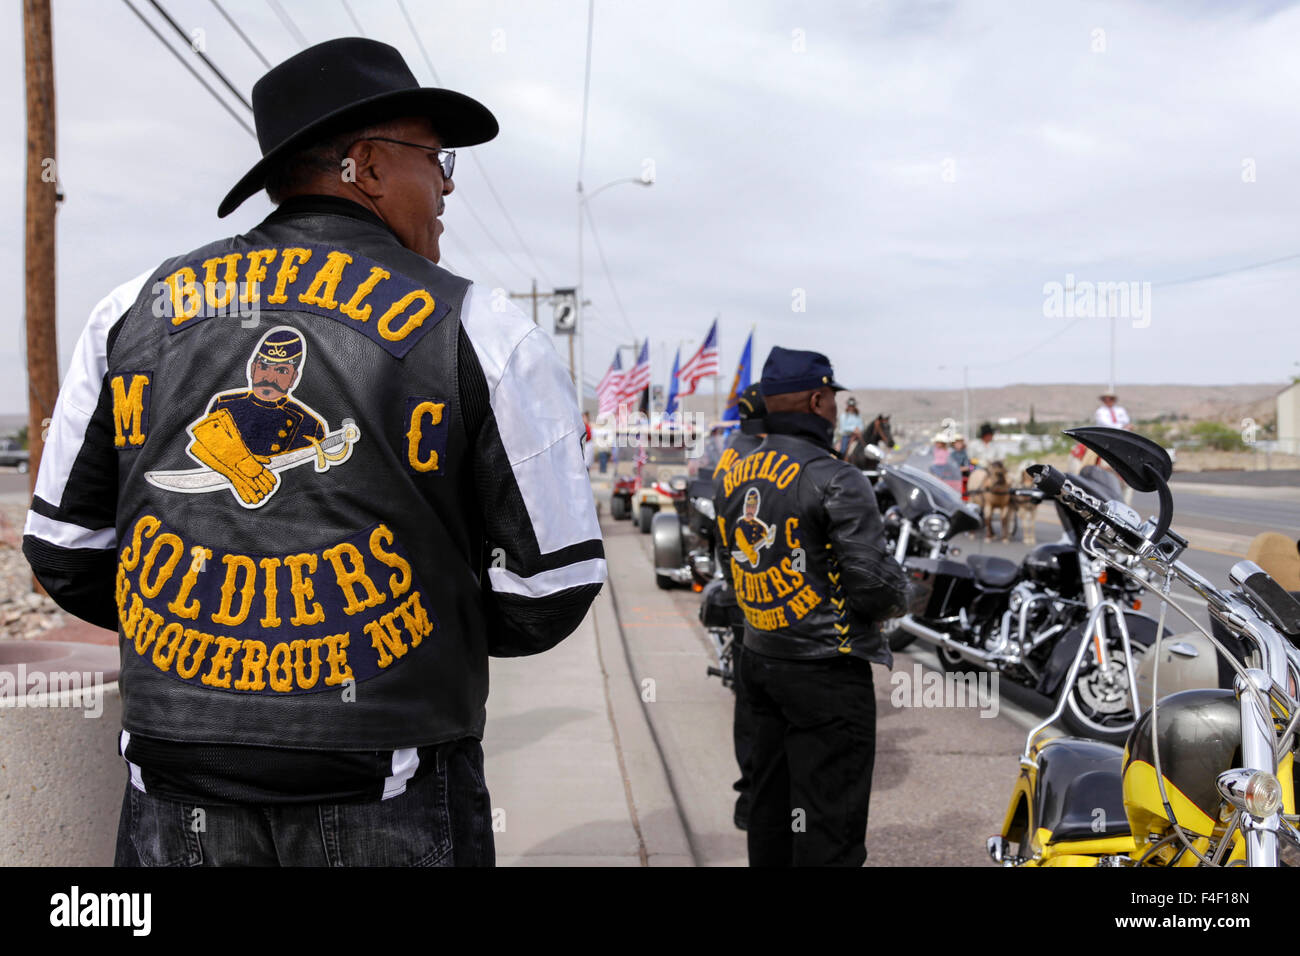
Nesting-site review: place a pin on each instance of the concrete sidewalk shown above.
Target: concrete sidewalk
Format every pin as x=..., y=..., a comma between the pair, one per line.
x=575, y=777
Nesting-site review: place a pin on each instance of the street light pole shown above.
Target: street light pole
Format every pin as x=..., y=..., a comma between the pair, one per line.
x=965, y=402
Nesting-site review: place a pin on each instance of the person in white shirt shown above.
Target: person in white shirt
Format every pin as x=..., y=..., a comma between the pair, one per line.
x=1112, y=414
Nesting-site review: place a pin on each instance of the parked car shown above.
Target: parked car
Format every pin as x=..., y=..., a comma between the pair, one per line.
x=13, y=455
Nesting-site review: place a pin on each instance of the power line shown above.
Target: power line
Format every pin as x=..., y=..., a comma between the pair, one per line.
x=487, y=180
x=1034, y=348
x=243, y=36
x=1228, y=272
x=586, y=91
x=415, y=34
x=288, y=22
x=595, y=234
x=193, y=72
x=495, y=241
x=186, y=38
x=355, y=21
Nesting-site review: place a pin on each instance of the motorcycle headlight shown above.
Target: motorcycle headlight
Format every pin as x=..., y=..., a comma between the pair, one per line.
x=934, y=527
x=1257, y=792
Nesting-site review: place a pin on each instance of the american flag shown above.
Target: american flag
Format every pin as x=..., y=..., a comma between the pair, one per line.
x=702, y=364
x=610, y=387
x=637, y=379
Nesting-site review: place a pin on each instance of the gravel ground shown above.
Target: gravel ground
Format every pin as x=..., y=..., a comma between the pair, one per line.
x=24, y=615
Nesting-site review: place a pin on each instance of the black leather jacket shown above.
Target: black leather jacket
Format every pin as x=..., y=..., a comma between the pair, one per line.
x=806, y=549
x=312, y=522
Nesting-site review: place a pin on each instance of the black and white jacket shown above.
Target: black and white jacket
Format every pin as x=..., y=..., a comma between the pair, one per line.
x=314, y=481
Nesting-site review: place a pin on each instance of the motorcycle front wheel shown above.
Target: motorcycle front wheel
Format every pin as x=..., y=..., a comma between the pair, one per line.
x=1099, y=705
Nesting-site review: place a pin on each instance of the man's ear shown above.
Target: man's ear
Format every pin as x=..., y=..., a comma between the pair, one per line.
x=363, y=167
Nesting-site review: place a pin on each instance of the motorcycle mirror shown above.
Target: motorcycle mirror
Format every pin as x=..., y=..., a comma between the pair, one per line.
x=874, y=451
x=1140, y=462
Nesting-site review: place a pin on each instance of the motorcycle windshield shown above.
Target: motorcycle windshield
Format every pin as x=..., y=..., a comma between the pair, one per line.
x=919, y=494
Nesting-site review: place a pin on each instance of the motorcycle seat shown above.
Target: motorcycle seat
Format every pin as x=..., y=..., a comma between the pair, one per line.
x=993, y=571
x=1081, y=791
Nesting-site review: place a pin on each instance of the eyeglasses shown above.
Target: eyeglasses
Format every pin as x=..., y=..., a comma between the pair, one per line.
x=446, y=157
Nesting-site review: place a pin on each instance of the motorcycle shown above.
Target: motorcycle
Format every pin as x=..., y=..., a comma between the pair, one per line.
x=683, y=538
x=1206, y=774
x=921, y=516
x=1025, y=621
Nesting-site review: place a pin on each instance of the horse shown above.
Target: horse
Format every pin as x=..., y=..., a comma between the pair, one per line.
x=880, y=433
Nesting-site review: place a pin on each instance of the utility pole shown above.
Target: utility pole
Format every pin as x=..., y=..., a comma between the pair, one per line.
x=42, y=200
x=550, y=296
x=534, y=295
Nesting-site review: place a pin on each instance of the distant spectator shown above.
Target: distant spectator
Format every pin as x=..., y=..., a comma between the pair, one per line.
x=588, y=447
x=1111, y=414
x=958, y=454
x=850, y=420
x=942, y=466
x=981, y=451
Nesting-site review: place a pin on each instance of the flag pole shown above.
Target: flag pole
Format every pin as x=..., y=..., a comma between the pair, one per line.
x=717, y=383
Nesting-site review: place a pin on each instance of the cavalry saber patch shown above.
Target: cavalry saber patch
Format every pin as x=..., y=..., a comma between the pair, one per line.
x=206, y=479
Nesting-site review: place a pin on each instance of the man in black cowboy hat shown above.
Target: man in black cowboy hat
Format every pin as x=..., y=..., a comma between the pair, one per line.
x=306, y=659
x=813, y=598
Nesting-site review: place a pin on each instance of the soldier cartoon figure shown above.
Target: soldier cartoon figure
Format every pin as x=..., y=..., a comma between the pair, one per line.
x=752, y=534
x=247, y=435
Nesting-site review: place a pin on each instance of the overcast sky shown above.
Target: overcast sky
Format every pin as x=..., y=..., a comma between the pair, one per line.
x=915, y=172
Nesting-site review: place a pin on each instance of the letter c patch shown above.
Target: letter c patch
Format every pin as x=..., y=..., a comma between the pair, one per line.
x=426, y=435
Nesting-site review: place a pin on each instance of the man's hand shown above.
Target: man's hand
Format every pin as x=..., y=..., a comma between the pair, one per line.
x=218, y=444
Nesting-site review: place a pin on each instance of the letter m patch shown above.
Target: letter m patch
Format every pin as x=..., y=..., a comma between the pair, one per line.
x=130, y=408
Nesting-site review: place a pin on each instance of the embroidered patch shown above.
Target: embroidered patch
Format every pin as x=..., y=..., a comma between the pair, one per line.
x=388, y=308
x=130, y=392
x=273, y=624
x=249, y=436
x=426, y=435
x=768, y=564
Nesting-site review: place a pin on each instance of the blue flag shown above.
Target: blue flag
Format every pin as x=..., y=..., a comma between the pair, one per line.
x=740, y=382
x=670, y=409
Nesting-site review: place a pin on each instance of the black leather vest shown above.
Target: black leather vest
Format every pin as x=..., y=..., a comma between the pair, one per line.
x=299, y=561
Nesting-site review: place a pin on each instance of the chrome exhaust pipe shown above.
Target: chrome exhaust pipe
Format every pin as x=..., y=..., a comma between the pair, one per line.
x=929, y=634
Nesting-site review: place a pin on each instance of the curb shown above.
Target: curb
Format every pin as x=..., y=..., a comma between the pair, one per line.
x=655, y=811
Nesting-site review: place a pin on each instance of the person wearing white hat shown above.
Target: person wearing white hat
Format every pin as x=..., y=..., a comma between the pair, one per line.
x=1111, y=414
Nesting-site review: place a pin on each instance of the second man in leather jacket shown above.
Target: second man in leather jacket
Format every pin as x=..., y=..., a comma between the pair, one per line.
x=805, y=551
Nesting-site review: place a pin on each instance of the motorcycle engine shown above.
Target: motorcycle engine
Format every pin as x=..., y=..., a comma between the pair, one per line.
x=1040, y=607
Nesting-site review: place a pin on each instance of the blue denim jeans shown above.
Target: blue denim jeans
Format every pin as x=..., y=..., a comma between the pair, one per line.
x=444, y=818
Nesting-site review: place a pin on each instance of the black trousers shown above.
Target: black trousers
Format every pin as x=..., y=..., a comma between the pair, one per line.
x=814, y=747
x=742, y=737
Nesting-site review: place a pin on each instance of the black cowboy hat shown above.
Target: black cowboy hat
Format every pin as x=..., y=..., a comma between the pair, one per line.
x=349, y=82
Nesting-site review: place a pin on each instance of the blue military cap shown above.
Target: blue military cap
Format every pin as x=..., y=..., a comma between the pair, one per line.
x=281, y=344
x=795, y=370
